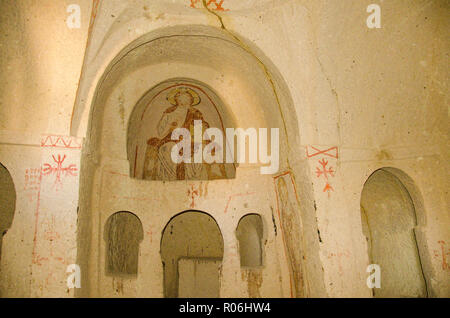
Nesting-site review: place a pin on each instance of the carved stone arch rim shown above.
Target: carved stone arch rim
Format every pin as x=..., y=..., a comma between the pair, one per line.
x=116, y=60
x=411, y=188
x=108, y=218
x=263, y=223
x=263, y=240
x=87, y=102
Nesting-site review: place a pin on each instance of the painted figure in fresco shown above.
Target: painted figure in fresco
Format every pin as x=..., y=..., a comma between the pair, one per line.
x=290, y=226
x=182, y=114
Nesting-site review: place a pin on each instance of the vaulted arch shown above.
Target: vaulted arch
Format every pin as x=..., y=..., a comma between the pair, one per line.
x=242, y=85
x=191, y=252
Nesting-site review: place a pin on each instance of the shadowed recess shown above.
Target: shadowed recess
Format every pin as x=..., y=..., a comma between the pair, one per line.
x=388, y=219
x=249, y=233
x=123, y=233
x=191, y=252
x=7, y=202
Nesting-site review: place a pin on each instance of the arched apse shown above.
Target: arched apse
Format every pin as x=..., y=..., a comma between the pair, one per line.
x=249, y=232
x=205, y=54
x=7, y=202
x=198, y=45
x=251, y=95
x=389, y=220
x=123, y=234
x=191, y=252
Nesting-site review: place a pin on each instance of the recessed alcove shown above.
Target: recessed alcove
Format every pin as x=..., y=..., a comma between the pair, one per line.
x=389, y=221
x=249, y=233
x=7, y=202
x=161, y=81
x=123, y=234
x=191, y=253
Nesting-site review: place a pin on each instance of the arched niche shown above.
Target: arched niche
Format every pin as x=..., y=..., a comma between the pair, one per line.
x=177, y=103
x=123, y=234
x=249, y=232
x=7, y=202
x=191, y=253
x=389, y=220
x=247, y=84
x=251, y=91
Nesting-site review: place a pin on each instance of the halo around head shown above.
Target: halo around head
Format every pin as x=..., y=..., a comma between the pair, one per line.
x=171, y=95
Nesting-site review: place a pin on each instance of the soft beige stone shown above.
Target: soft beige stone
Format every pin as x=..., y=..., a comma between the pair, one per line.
x=343, y=96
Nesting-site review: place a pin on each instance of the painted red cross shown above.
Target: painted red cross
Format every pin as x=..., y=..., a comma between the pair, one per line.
x=218, y=5
x=58, y=169
x=324, y=171
x=192, y=193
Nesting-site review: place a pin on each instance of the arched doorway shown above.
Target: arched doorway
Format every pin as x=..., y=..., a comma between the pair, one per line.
x=388, y=219
x=7, y=202
x=191, y=252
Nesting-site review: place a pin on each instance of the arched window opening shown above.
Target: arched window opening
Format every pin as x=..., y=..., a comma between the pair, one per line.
x=388, y=220
x=249, y=233
x=7, y=202
x=123, y=234
x=191, y=252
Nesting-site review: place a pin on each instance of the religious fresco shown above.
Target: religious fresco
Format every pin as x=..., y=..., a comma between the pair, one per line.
x=178, y=106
